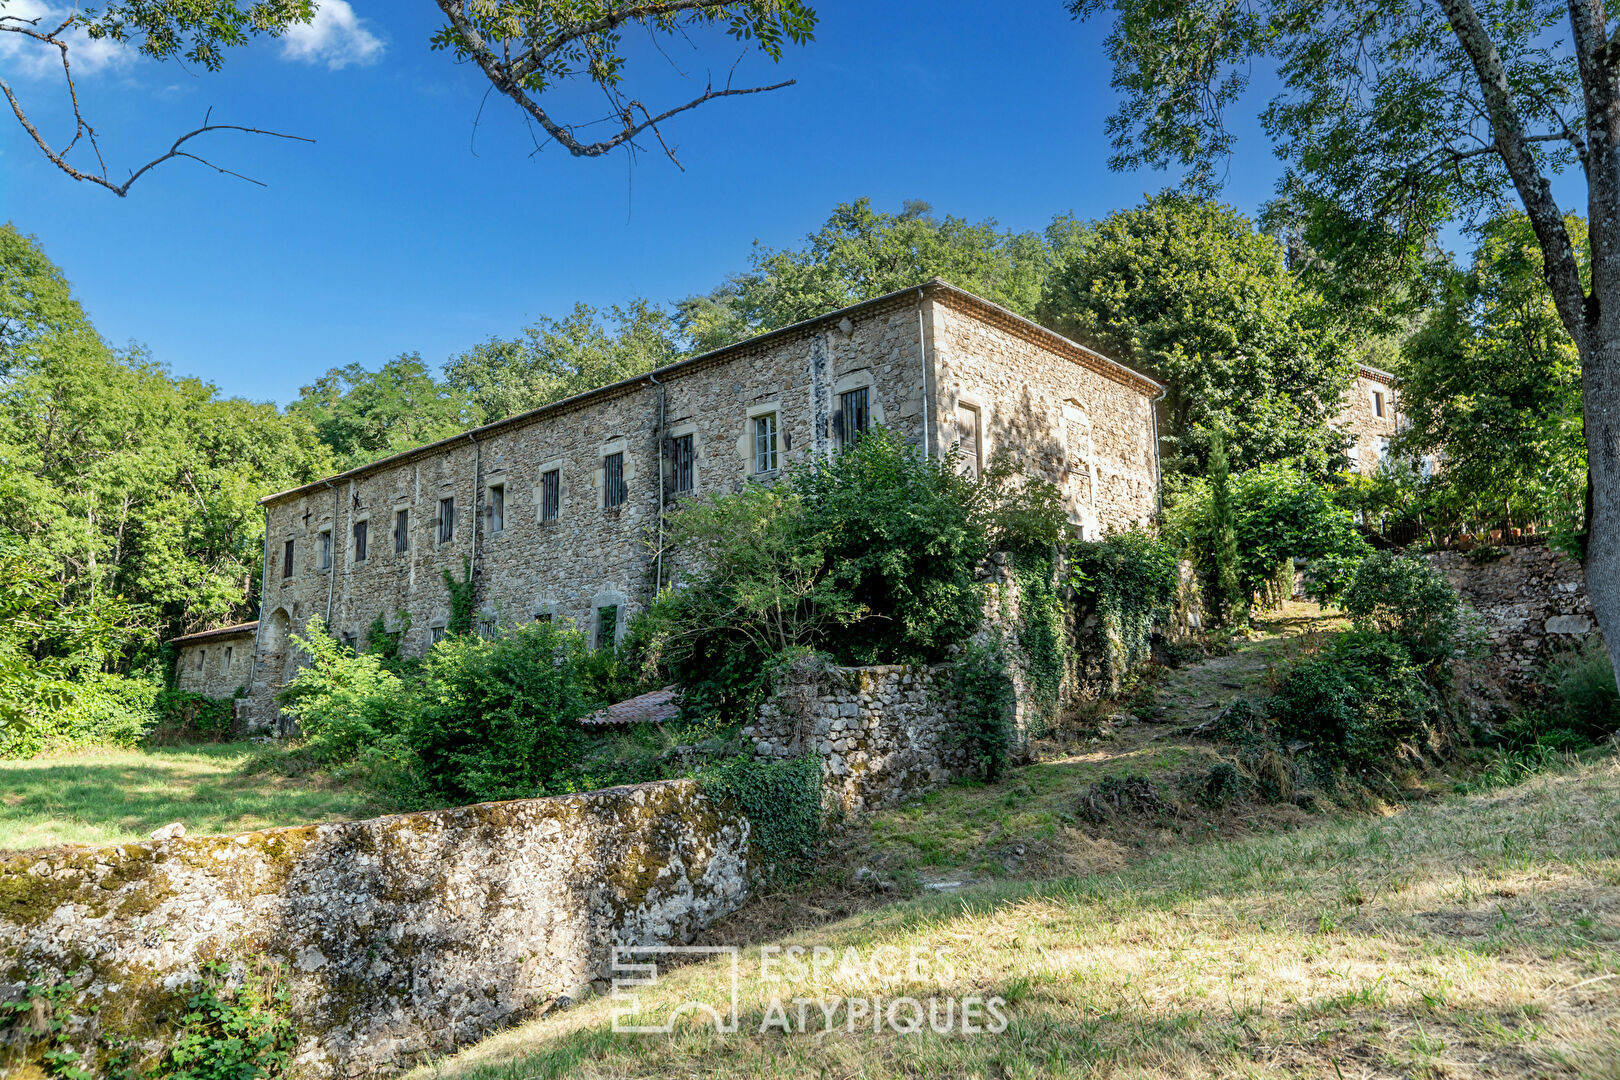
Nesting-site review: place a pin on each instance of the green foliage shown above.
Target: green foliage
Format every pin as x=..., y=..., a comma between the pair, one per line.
x=463, y=599
x=1402, y=596
x=986, y=702
x=782, y=801
x=343, y=702
x=497, y=718
x=1491, y=381
x=1042, y=635
x=40, y=1019
x=1279, y=513
x=365, y=415
x=861, y=253
x=1129, y=580
x=189, y=716
x=1186, y=289
x=1227, y=599
x=1023, y=515
x=1584, y=684
x=384, y=643
x=557, y=358
x=198, y=30
x=234, y=1028
x=1356, y=700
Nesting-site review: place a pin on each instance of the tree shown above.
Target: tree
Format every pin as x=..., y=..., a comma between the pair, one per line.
x=861, y=253
x=1186, y=289
x=1491, y=383
x=558, y=358
x=365, y=415
x=1228, y=600
x=527, y=49
x=1395, y=117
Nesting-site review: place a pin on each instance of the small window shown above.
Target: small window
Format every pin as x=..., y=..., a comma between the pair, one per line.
x=550, y=495
x=349, y=641
x=682, y=461
x=607, y=626
x=613, y=489
x=765, y=443
x=447, y=520
x=497, y=507
x=360, y=530
x=201, y=655
x=326, y=550
x=435, y=634
x=402, y=531
x=1378, y=403
x=967, y=435
x=542, y=616
x=287, y=560
x=854, y=416
x=228, y=651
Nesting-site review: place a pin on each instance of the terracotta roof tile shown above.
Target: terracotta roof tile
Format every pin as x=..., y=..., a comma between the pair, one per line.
x=650, y=708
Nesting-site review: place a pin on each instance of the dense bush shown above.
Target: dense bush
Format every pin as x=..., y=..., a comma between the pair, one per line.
x=985, y=697
x=1410, y=601
x=1357, y=699
x=1584, y=684
x=343, y=702
x=183, y=715
x=1129, y=579
x=95, y=709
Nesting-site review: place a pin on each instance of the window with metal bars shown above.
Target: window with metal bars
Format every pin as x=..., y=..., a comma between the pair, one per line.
x=287, y=560
x=550, y=495
x=361, y=528
x=682, y=461
x=402, y=531
x=447, y=520
x=497, y=507
x=854, y=416
x=325, y=562
x=613, y=489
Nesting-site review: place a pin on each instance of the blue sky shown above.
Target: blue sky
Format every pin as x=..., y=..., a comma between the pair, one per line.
x=401, y=228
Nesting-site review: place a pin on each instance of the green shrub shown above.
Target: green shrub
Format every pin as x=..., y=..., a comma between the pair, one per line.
x=1409, y=600
x=1583, y=681
x=497, y=718
x=343, y=702
x=183, y=715
x=1357, y=699
x=782, y=801
x=233, y=1029
x=1042, y=636
x=1129, y=579
x=986, y=704
x=95, y=708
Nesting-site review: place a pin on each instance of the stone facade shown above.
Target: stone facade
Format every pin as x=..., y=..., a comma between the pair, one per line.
x=935, y=364
x=397, y=937
x=216, y=663
x=881, y=732
x=1370, y=417
x=1533, y=602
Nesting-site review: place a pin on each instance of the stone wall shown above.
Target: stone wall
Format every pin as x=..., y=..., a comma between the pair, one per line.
x=1369, y=432
x=399, y=936
x=881, y=732
x=922, y=357
x=216, y=663
x=1533, y=601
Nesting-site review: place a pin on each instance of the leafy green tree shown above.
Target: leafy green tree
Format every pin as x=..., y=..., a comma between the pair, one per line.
x=861, y=253
x=558, y=358
x=1186, y=289
x=365, y=415
x=1491, y=385
x=1393, y=119
x=1226, y=597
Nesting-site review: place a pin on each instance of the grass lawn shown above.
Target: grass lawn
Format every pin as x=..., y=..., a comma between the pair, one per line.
x=112, y=796
x=1465, y=936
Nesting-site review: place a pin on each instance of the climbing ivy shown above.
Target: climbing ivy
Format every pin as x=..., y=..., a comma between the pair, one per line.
x=385, y=643
x=782, y=801
x=1041, y=637
x=461, y=599
x=1128, y=579
x=986, y=701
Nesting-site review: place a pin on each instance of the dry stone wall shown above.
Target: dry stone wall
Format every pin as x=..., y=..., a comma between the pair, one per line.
x=399, y=936
x=1533, y=602
x=216, y=664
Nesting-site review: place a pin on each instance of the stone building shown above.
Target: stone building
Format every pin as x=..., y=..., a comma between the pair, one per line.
x=556, y=513
x=215, y=662
x=1371, y=418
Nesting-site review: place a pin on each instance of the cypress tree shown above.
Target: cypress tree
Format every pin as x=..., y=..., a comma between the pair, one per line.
x=1226, y=595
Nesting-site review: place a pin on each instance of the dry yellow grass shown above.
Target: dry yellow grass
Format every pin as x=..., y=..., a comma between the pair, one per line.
x=1464, y=937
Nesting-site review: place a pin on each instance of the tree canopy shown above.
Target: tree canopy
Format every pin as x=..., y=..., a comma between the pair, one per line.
x=365, y=415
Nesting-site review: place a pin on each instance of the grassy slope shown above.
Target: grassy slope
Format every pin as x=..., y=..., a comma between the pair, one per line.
x=1453, y=937
x=1468, y=936
x=110, y=796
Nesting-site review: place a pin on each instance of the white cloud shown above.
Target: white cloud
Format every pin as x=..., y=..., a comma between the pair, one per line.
x=336, y=37
x=35, y=59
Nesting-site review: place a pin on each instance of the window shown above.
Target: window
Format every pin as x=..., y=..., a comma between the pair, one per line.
x=497, y=507
x=326, y=550
x=682, y=462
x=1378, y=403
x=486, y=625
x=613, y=491
x=287, y=560
x=967, y=435
x=447, y=520
x=550, y=495
x=201, y=654
x=402, y=531
x=435, y=634
x=765, y=443
x=349, y=640
x=542, y=616
x=854, y=416
x=607, y=626
x=228, y=651
x=360, y=530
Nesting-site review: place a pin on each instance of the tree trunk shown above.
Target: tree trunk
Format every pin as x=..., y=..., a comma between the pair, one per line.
x=1600, y=390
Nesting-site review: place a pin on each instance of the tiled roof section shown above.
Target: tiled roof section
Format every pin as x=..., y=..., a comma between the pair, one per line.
x=1376, y=374
x=651, y=708
x=222, y=631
